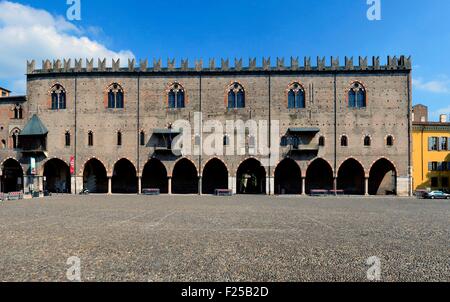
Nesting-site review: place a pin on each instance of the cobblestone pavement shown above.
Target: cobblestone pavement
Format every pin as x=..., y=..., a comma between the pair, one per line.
x=241, y=238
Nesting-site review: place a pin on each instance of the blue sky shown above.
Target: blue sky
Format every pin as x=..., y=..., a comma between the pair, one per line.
x=248, y=28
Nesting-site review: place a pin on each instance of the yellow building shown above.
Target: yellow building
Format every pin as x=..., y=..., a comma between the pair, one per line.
x=4, y=92
x=431, y=152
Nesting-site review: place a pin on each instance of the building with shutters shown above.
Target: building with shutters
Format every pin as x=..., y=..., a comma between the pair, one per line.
x=431, y=151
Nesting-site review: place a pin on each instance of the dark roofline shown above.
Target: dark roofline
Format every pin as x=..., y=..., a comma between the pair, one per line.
x=433, y=125
x=4, y=89
x=13, y=99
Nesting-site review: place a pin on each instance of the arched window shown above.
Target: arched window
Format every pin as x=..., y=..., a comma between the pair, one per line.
x=321, y=141
x=116, y=97
x=18, y=112
x=296, y=96
x=226, y=140
x=142, y=138
x=284, y=141
x=357, y=96
x=58, y=97
x=67, y=138
x=176, y=96
x=344, y=141
x=390, y=141
x=367, y=141
x=15, y=138
x=236, y=96
x=90, y=138
x=119, y=138
x=3, y=144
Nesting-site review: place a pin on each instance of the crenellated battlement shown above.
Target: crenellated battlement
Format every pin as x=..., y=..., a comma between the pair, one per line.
x=87, y=65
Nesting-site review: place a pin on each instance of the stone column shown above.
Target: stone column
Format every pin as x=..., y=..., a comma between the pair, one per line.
x=232, y=184
x=200, y=186
x=109, y=185
x=270, y=186
x=139, y=185
x=40, y=183
x=335, y=185
x=366, y=186
x=73, y=185
x=169, y=180
x=303, y=186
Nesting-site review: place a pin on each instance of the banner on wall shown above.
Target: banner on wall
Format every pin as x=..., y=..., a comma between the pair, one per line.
x=72, y=165
x=32, y=166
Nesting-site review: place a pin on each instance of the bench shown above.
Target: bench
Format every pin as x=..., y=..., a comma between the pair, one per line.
x=223, y=192
x=319, y=192
x=337, y=192
x=151, y=192
x=15, y=196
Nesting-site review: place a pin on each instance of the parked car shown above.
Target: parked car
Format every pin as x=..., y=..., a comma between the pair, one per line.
x=437, y=195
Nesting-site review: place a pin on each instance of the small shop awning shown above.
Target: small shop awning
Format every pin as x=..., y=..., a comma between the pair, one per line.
x=166, y=131
x=35, y=127
x=303, y=130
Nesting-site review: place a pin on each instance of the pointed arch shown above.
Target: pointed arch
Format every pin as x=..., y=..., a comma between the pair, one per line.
x=251, y=177
x=57, y=176
x=176, y=96
x=383, y=178
x=58, y=97
x=124, y=178
x=95, y=178
x=288, y=178
x=185, y=177
x=351, y=177
x=215, y=176
x=236, y=96
x=154, y=176
x=357, y=95
x=319, y=176
x=115, y=96
x=12, y=176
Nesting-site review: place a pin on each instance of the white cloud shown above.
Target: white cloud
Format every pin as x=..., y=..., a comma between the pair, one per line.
x=441, y=85
x=29, y=33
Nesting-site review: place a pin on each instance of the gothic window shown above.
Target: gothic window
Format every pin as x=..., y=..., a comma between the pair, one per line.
x=236, y=96
x=58, y=97
x=90, y=138
x=119, y=138
x=67, y=139
x=176, y=96
x=296, y=97
x=226, y=140
x=389, y=141
x=357, y=96
x=116, y=97
x=18, y=112
x=142, y=138
x=344, y=141
x=321, y=141
x=15, y=138
x=367, y=141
